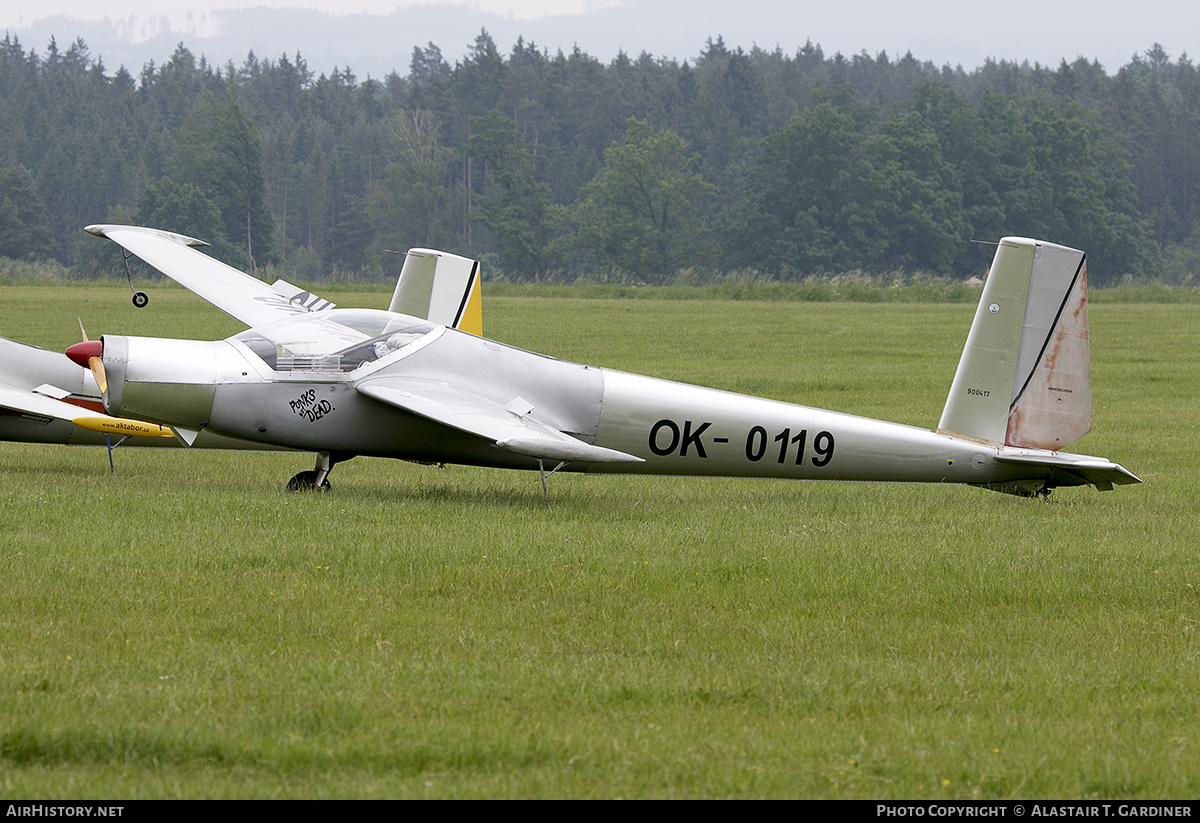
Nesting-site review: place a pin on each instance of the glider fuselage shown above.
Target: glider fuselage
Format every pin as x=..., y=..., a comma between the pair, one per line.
x=315, y=402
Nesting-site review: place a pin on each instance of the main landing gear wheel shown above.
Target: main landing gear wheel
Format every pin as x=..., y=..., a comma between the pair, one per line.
x=140, y=299
x=307, y=481
x=318, y=478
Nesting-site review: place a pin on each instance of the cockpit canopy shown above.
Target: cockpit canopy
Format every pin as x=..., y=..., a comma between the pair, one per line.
x=340, y=340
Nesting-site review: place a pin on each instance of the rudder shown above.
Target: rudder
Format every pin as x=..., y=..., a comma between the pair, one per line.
x=1024, y=378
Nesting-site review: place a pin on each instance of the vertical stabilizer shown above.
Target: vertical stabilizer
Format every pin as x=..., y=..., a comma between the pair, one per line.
x=1024, y=378
x=440, y=287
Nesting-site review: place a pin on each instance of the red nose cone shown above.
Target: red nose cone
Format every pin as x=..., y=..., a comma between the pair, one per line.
x=80, y=352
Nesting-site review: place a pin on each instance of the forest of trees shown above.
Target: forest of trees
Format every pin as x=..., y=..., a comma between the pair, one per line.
x=558, y=166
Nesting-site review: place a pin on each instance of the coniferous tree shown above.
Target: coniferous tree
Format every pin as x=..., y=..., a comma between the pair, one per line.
x=217, y=150
x=1109, y=163
x=517, y=208
x=414, y=206
x=24, y=231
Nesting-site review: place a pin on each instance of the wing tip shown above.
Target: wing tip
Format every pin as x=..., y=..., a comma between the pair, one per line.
x=106, y=230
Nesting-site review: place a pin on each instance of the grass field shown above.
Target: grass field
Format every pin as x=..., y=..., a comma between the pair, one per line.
x=187, y=629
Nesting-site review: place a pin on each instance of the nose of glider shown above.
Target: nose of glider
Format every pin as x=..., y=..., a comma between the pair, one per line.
x=81, y=353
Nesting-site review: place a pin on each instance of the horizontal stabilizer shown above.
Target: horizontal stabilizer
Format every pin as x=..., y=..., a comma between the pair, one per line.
x=1063, y=469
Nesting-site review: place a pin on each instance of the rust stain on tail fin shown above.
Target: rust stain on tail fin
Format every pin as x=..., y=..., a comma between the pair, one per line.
x=1053, y=407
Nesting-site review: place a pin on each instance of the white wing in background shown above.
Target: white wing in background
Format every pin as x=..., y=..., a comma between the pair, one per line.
x=236, y=293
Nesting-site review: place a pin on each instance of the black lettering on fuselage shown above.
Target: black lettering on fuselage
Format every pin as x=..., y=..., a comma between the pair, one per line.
x=692, y=438
x=654, y=431
x=663, y=445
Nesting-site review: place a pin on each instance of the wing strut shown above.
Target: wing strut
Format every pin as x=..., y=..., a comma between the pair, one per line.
x=140, y=298
x=542, y=473
x=111, y=445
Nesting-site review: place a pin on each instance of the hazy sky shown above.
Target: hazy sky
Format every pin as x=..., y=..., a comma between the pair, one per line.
x=20, y=15
x=941, y=31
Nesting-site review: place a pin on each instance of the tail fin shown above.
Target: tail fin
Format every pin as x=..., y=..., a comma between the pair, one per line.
x=440, y=287
x=1024, y=378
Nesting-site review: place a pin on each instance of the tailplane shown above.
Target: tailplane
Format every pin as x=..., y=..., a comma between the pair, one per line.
x=1024, y=379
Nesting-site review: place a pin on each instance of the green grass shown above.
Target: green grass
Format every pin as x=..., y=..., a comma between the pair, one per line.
x=185, y=628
